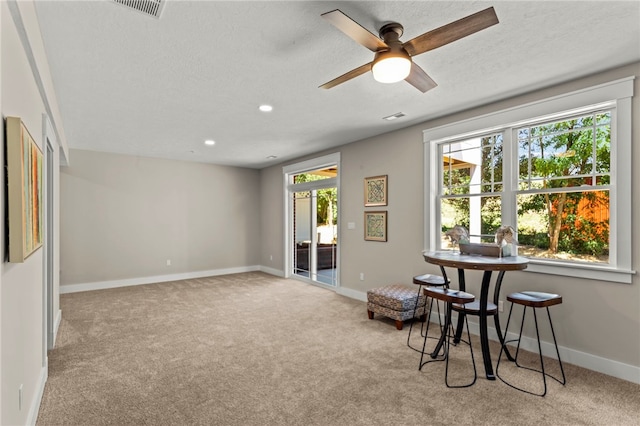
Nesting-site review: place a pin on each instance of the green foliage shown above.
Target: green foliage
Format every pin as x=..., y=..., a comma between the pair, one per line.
x=559, y=155
x=585, y=237
x=327, y=199
x=556, y=155
x=327, y=205
x=529, y=237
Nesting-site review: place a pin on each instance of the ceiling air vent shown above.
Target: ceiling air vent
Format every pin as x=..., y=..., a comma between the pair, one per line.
x=394, y=116
x=148, y=7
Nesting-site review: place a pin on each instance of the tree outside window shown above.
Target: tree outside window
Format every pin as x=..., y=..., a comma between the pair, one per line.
x=564, y=177
x=561, y=193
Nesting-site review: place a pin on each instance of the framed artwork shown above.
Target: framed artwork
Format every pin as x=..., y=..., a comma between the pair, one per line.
x=375, y=191
x=24, y=192
x=375, y=226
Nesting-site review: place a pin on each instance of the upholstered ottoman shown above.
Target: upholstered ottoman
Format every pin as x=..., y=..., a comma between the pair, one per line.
x=395, y=301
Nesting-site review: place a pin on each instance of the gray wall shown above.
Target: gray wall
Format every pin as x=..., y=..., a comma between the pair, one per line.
x=22, y=292
x=123, y=217
x=591, y=309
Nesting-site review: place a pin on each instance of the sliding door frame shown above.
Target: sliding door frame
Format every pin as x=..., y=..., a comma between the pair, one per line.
x=290, y=188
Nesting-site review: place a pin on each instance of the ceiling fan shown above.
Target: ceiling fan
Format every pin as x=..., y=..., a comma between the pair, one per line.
x=392, y=61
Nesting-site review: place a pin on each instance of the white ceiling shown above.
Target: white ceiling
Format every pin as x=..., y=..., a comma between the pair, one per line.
x=133, y=84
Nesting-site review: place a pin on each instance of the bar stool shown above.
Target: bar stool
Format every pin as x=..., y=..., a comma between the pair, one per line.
x=532, y=299
x=449, y=297
x=426, y=280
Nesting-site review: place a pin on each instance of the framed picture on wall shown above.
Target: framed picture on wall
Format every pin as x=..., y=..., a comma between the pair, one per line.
x=375, y=226
x=375, y=191
x=24, y=193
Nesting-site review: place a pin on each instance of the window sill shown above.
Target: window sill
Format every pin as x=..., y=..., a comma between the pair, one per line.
x=590, y=272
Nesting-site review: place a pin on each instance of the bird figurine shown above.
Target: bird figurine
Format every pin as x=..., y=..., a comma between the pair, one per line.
x=457, y=234
x=506, y=235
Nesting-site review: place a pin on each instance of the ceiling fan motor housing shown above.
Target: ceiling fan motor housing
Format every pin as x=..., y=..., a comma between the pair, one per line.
x=391, y=27
x=393, y=63
x=391, y=34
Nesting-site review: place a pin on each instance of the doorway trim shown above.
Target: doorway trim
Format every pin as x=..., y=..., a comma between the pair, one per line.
x=49, y=326
x=289, y=189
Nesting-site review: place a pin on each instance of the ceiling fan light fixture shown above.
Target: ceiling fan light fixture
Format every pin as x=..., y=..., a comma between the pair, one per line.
x=391, y=67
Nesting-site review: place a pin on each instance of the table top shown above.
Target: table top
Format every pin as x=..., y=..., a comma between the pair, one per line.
x=473, y=261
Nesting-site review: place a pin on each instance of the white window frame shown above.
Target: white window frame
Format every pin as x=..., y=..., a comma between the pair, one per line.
x=615, y=95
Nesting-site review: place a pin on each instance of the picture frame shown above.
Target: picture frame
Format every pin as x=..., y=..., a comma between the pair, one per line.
x=375, y=191
x=375, y=226
x=24, y=191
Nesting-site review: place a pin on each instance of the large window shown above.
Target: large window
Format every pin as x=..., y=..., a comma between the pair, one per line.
x=559, y=176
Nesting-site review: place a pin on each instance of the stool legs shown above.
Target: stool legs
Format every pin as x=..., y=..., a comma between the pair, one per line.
x=415, y=309
x=448, y=344
x=541, y=370
x=434, y=356
x=426, y=319
x=449, y=334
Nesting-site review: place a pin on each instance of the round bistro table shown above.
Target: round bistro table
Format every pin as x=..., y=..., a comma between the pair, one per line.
x=488, y=265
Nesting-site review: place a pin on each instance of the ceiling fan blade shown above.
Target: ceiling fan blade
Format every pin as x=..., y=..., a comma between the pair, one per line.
x=347, y=76
x=354, y=30
x=419, y=79
x=451, y=32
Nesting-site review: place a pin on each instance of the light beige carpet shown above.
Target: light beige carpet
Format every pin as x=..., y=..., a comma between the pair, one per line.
x=253, y=349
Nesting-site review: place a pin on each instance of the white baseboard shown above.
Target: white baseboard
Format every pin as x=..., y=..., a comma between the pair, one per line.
x=353, y=294
x=56, y=325
x=100, y=285
x=272, y=271
x=606, y=366
x=34, y=407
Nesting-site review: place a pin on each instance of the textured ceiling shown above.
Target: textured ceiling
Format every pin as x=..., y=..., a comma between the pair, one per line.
x=133, y=84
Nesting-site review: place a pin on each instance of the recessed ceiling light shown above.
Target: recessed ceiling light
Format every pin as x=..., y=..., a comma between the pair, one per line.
x=265, y=108
x=210, y=142
x=394, y=116
x=272, y=157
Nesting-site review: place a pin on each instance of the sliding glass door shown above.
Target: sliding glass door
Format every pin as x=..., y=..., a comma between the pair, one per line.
x=312, y=242
x=315, y=235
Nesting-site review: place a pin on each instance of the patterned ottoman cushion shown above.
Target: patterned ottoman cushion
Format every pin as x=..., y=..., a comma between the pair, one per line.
x=397, y=297
x=393, y=314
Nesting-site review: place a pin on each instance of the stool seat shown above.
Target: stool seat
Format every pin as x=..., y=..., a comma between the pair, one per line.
x=535, y=299
x=473, y=308
x=448, y=295
x=429, y=280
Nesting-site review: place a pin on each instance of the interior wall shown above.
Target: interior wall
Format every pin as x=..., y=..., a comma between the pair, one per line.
x=272, y=219
x=123, y=217
x=22, y=291
x=591, y=309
